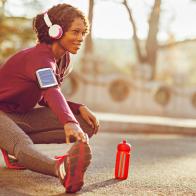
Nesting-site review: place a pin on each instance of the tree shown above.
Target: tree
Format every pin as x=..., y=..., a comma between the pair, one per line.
x=15, y=32
x=87, y=59
x=150, y=56
x=88, y=48
x=151, y=45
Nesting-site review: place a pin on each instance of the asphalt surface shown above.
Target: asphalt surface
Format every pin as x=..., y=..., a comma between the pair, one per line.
x=160, y=165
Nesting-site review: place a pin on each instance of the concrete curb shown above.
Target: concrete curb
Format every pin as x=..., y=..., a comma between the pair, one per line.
x=146, y=124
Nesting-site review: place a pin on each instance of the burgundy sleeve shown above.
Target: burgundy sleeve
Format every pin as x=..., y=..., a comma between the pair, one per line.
x=52, y=96
x=75, y=107
x=58, y=105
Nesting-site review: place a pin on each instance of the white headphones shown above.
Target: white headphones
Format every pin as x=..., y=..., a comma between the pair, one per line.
x=55, y=31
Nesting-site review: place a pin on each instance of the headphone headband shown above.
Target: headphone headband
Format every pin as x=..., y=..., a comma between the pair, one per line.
x=47, y=20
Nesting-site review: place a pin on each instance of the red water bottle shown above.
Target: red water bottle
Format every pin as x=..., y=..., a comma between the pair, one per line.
x=122, y=160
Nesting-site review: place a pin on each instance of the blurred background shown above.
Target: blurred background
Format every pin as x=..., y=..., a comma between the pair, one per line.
x=138, y=59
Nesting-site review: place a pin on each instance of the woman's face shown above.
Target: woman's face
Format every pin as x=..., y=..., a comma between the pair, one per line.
x=74, y=37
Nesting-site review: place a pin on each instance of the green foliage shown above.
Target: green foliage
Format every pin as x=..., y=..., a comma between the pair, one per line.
x=15, y=32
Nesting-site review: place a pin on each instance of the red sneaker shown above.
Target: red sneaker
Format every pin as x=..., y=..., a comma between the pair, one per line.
x=73, y=165
x=10, y=161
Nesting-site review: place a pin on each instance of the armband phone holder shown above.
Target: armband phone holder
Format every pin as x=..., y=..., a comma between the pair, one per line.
x=46, y=78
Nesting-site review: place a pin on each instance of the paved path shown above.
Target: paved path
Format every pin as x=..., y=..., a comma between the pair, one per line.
x=160, y=165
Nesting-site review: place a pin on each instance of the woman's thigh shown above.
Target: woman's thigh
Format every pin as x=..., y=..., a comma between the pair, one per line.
x=48, y=137
x=58, y=135
x=41, y=122
x=38, y=120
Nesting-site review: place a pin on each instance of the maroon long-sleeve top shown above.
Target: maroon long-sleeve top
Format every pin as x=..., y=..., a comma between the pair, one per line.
x=19, y=88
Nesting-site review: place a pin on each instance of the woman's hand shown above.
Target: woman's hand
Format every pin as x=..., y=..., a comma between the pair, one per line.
x=89, y=117
x=73, y=129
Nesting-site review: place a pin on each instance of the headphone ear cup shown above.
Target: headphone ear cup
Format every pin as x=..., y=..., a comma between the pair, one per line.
x=55, y=31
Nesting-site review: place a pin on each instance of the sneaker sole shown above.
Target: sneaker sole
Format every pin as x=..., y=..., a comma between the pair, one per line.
x=77, y=161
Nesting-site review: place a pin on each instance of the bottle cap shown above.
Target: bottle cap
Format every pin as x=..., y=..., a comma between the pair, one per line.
x=124, y=146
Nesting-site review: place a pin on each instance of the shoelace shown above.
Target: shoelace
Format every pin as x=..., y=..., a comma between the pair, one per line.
x=60, y=160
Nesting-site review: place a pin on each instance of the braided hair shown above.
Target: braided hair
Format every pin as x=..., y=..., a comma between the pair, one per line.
x=61, y=14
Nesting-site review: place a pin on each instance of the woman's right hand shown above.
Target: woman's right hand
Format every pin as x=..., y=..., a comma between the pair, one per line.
x=73, y=129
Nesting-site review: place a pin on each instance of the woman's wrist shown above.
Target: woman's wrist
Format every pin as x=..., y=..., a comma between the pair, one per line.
x=71, y=124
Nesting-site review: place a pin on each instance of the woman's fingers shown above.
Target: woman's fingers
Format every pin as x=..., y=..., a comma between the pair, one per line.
x=76, y=135
x=95, y=124
x=83, y=136
x=72, y=129
x=67, y=139
x=80, y=136
x=88, y=120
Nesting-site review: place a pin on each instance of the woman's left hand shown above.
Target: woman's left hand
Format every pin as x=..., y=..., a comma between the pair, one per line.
x=89, y=117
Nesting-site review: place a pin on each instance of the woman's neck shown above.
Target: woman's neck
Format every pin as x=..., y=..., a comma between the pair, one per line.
x=58, y=50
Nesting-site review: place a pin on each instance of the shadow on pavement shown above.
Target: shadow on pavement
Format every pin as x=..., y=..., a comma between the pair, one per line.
x=98, y=185
x=94, y=186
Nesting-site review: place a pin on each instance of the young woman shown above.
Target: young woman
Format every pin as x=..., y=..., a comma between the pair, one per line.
x=34, y=75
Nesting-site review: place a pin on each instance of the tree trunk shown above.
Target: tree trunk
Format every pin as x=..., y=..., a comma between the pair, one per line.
x=150, y=55
x=141, y=58
x=151, y=43
x=86, y=60
x=88, y=47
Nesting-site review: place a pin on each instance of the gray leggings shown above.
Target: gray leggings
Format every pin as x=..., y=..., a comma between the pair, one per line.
x=19, y=133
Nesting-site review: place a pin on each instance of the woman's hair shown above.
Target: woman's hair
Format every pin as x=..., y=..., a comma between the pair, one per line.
x=61, y=14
